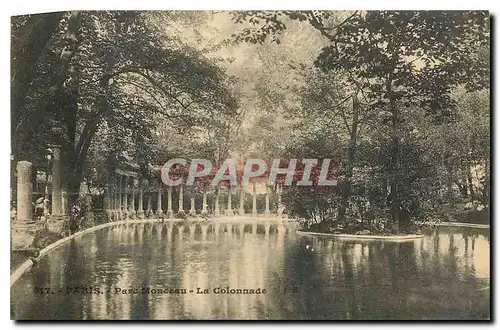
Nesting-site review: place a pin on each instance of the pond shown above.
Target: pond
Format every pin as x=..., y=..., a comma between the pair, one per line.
x=147, y=271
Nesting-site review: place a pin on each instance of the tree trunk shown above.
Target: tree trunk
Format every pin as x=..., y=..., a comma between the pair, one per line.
x=394, y=197
x=471, y=185
x=351, y=151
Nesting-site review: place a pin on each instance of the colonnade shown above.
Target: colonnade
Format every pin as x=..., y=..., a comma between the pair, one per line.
x=126, y=190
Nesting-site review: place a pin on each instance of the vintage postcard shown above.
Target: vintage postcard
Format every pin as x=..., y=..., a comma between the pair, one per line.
x=250, y=165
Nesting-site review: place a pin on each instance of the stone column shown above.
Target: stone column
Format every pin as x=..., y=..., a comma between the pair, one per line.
x=125, y=199
x=107, y=201
x=140, y=207
x=280, y=206
x=119, y=198
x=64, y=202
x=254, y=200
x=150, y=207
x=159, y=210
x=170, y=211
x=132, y=200
x=216, y=208
x=114, y=199
x=204, y=210
x=181, y=199
x=23, y=228
x=242, y=201
x=229, y=202
x=56, y=181
x=192, y=210
x=267, y=212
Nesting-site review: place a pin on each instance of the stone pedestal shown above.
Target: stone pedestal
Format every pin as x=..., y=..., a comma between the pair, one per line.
x=22, y=235
x=58, y=224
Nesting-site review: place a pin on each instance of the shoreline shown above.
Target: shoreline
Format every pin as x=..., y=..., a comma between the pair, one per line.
x=392, y=238
x=461, y=224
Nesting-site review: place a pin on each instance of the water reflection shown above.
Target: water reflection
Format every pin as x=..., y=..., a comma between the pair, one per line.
x=442, y=276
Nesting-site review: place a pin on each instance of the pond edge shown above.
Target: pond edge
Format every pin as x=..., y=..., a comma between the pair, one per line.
x=394, y=238
x=28, y=264
x=462, y=224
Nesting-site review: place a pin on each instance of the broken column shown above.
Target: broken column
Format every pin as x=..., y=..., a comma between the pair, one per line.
x=23, y=228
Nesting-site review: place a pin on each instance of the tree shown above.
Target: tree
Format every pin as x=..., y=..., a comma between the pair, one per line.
x=110, y=77
x=397, y=61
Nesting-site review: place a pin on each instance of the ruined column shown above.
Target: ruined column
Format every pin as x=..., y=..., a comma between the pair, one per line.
x=56, y=181
x=216, y=208
x=229, y=202
x=242, y=201
x=254, y=200
x=23, y=228
x=159, y=210
x=267, y=212
x=181, y=199
x=140, y=207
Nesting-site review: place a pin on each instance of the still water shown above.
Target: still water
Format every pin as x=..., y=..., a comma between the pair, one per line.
x=107, y=274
